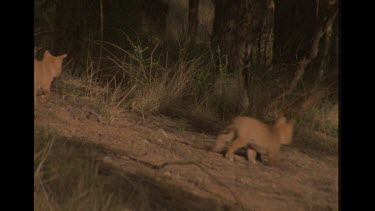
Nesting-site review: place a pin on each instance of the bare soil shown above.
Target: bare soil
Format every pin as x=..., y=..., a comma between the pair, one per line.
x=177, y=159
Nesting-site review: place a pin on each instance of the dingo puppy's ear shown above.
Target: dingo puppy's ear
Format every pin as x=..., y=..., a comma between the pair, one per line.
x=280, y=114
x=64, y=55
x=281, y=120
x=47, y=53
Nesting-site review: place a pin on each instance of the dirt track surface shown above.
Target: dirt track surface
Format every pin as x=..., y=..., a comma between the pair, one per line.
x=156, y=148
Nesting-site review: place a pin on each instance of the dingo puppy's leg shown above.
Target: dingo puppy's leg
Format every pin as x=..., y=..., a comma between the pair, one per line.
x=272, y=157
x=238, y=143
x=251, y=156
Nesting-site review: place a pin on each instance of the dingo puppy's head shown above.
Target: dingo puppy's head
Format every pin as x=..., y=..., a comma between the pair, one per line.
x=286, y=130
x=54, y=62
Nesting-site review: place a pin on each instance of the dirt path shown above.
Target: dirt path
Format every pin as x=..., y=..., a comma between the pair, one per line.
x=180, y=157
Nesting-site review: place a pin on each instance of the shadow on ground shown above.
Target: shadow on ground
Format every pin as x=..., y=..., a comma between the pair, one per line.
x=72, y=176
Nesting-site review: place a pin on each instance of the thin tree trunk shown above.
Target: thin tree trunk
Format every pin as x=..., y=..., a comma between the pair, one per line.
x=101, y=33
x=237, y=24
x=334, y=49
x=320, y=31
x=294, y=24
x=326, y=56
x=269, y=38
x=193, y=19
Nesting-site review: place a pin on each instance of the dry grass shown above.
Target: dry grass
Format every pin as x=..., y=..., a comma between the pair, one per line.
x=163, y=91
x=134, y=81
x=315, y=143
x=324, y=118
x=137, y=80
x=317, y=130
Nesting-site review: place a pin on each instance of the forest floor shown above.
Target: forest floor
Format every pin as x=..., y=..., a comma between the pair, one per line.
x=175, y=160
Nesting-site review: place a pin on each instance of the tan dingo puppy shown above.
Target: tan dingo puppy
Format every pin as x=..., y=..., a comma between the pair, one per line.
x=44, y=72
x=257, y=136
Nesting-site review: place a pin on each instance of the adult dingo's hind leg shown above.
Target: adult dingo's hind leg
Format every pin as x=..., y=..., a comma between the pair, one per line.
x=43, y=98
x=35, y=103
x=46, y=90
x=35, y=93
x=45, y=95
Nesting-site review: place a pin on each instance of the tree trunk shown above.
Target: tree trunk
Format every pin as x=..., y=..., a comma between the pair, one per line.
x=294, y=25
x=68, y=28
x=325, y=56
x=155, y=17
x=73, y=24
x=269, y=35
x=321, y=28
x=303, y=46
x=333, y=63
x=193, y=19
x=237, y=24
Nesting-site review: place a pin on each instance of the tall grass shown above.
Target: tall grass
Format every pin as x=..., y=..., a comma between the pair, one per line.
x=137, y=80
x=143, y=78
